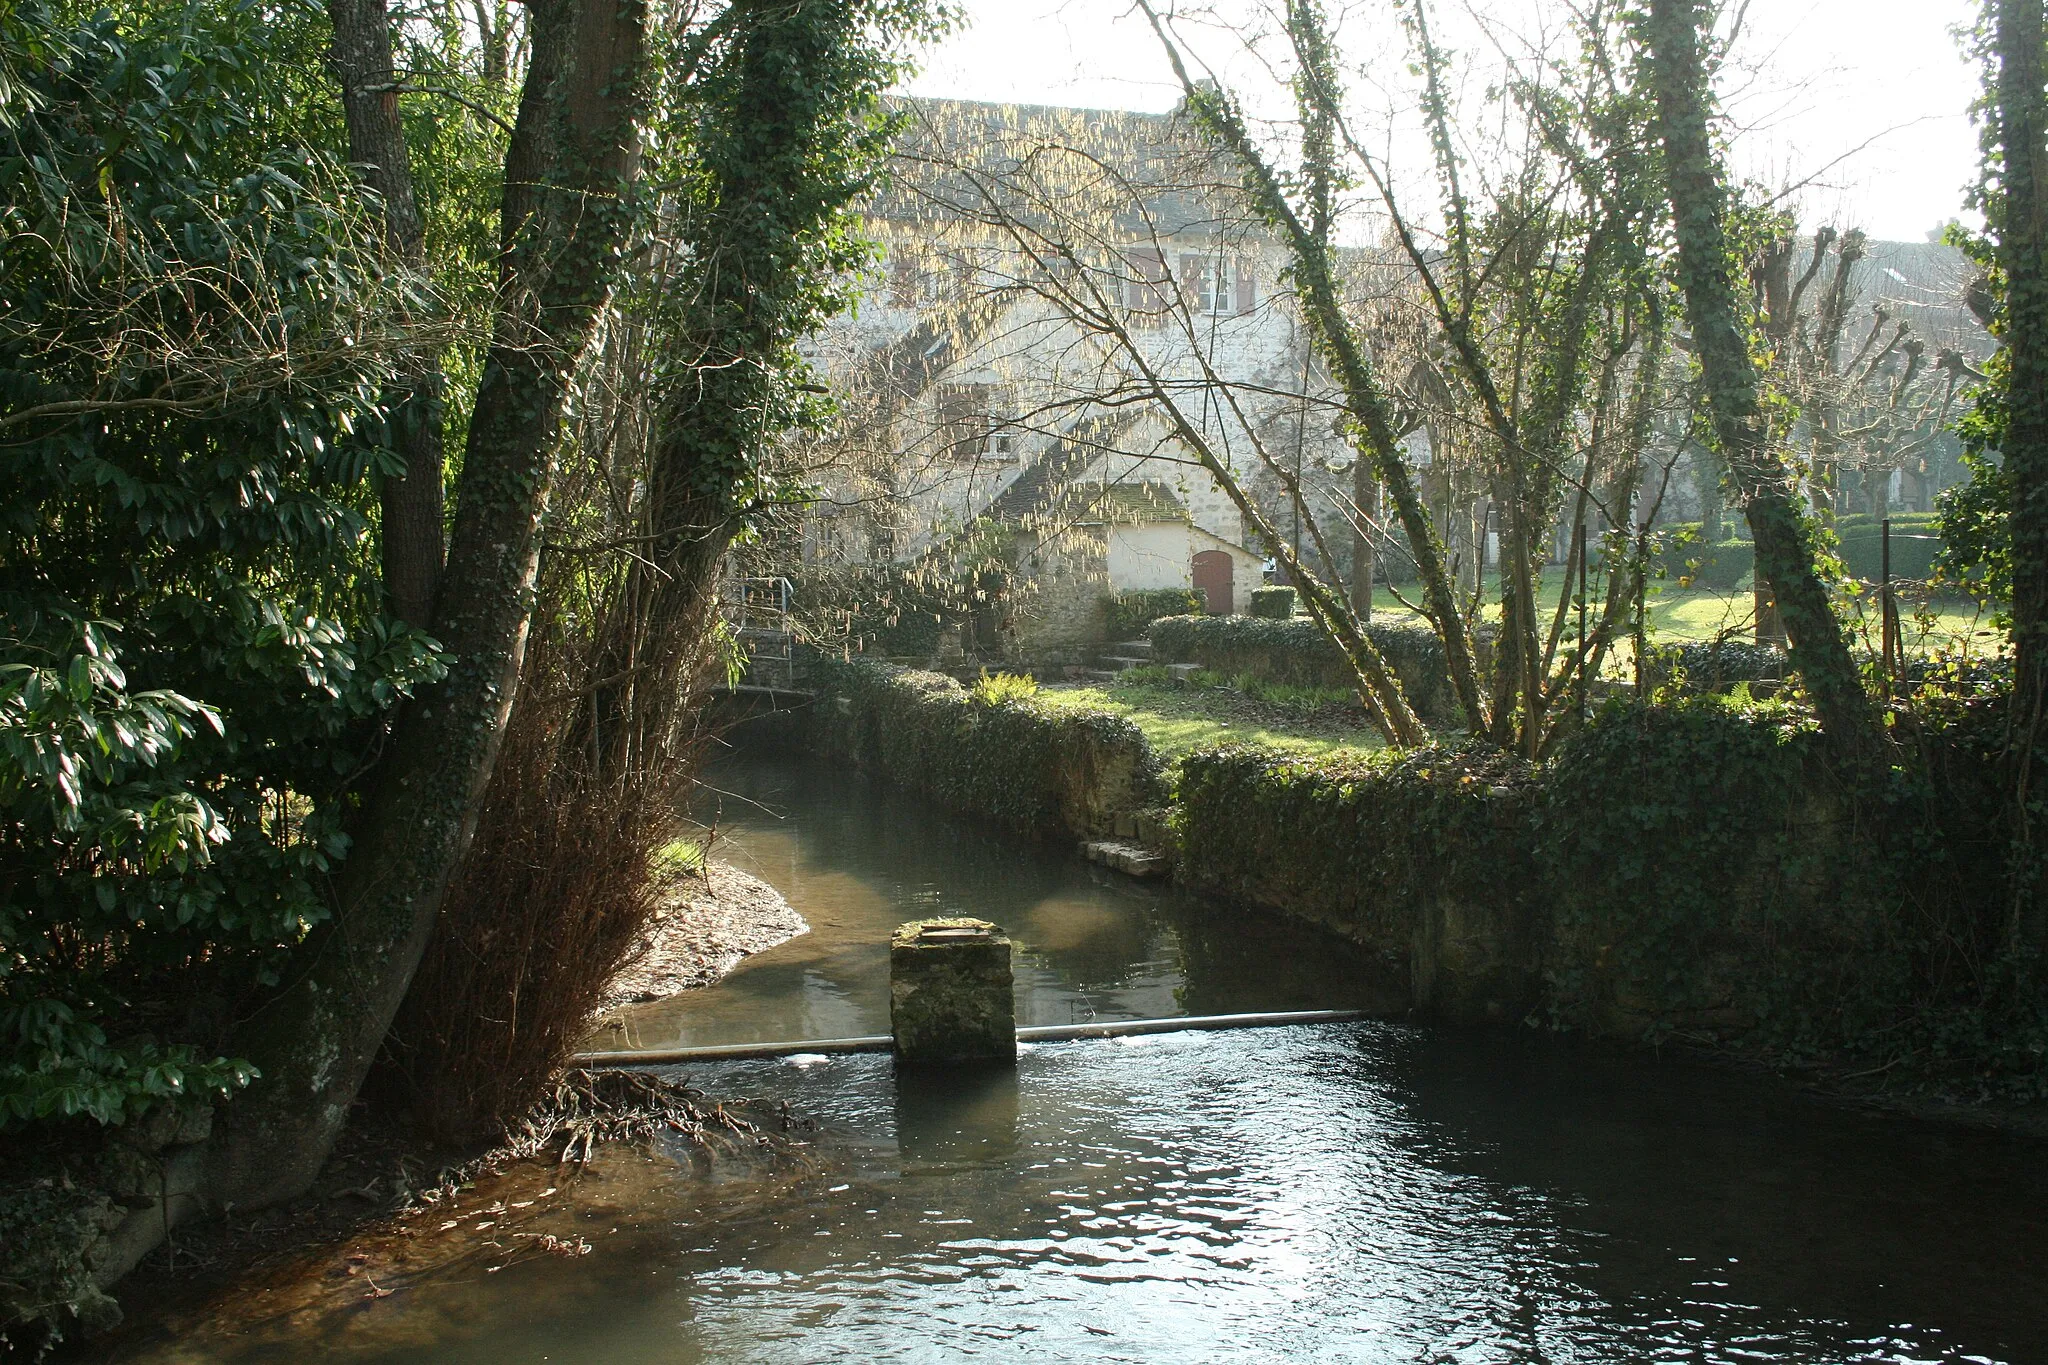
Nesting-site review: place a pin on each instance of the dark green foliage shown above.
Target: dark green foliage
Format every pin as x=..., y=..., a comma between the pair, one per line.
x=1296, y=652
x=1379, y=847
x=1916, y=545
x=1713, y=868
x=1691, y=562
x=1035, y=768
x=1273, y=604
x=1717, y=665
x=1126, y=614
x=193, y=659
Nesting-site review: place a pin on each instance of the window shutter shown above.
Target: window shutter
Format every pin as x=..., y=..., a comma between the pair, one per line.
x=1247, y=286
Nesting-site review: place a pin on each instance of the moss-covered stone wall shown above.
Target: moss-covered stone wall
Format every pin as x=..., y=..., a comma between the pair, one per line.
x=1704, y=869
x=1036, y=769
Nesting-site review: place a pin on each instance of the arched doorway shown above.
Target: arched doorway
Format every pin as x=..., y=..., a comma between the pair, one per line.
x=1214, y=574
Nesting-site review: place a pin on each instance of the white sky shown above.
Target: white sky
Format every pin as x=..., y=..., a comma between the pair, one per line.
x=1819, y=78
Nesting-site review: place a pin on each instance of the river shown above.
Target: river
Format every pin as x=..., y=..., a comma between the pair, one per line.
x=1368, y=1192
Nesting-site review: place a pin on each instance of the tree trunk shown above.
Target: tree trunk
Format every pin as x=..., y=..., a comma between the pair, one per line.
x=1365, y=492
x=573, y=151
x=2022, y=227
x=1785, y=561
x=411, y=503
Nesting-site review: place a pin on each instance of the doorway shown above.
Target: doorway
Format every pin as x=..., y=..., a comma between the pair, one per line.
x=1214, y=579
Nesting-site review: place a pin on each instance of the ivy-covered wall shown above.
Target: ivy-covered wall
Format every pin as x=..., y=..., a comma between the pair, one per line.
x=1297, y=653
x=1421, y=856
x=1700, y=869
x=1036, y=769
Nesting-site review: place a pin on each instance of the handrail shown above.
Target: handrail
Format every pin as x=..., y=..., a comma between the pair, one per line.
x=1046, y=1033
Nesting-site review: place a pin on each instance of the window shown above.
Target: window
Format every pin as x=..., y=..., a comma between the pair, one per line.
x=966, y=419
x=1145, y=286
x=1208, y=280
x=1218, y=285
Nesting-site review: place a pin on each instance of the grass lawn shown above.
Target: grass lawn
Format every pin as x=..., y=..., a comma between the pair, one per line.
x=1179, y=720
x=1679, y=615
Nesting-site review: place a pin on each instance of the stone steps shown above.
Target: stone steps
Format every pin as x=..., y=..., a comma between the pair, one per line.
x=1133, y=859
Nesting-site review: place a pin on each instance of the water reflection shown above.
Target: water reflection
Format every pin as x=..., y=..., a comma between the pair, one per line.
x=1341, y=1193
x=858, y=861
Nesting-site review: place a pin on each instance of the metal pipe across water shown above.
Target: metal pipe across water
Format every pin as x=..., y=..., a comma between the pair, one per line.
x=1053, y=1033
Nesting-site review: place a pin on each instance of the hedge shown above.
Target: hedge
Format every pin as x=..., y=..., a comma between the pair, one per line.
x=1862, y=549
x=1421, y=856
x=1273, y=604
x=1861, y=536
x=1126, y=614
x=1040, y=770
x=1297, y=653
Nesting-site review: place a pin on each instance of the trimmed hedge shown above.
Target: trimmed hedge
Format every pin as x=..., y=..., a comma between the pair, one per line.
x=1711, y=666
x=1862, y=551
x=1421, y=856
x=1126, y=614
x=1861, y=536
x=1040, y=770
x=1273, y=604
x=1295, y=652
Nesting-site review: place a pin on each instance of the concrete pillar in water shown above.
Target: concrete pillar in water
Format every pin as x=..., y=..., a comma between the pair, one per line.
x=949, y=993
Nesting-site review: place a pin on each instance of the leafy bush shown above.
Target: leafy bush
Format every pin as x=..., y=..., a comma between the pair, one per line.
x=1038, y=769
x=1273, y=604
x=1296, y=653
x=194, y=657
x=1717, y=665
x=1689, y=560
x=1126, y=614
x=1002, y=688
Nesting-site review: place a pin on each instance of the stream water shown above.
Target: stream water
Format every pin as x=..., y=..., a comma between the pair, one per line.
x=857, y=861
x=1369, y=1192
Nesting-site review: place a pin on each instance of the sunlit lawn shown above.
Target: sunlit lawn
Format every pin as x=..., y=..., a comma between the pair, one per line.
x=1179, y=720
x=1678, y=615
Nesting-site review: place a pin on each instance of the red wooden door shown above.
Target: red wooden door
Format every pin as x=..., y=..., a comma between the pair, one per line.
x=1213, y=579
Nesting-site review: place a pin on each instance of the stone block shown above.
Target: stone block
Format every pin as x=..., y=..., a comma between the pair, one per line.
x=950, y=993
x=1134, y=859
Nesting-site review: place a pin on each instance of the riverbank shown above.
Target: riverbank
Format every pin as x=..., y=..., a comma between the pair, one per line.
x=707, y=923
x=1707, y=873
x=366, y=1212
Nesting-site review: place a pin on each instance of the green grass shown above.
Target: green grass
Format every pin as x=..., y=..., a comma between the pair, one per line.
x=1177, y=720
x=1679, y=615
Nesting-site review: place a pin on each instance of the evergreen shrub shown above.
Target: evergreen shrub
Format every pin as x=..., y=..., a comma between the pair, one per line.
x=1717, y=665
x=1296, y=653
x=1273, y=604
x=1126, y=614
x=1915, y=546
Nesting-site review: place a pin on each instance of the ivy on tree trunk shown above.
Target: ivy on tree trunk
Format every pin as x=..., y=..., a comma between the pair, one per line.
x=2022, y=231
x=571, y=160
x=1675, y=34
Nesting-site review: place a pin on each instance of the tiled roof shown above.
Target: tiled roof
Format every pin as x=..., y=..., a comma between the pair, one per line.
x=1127, y=503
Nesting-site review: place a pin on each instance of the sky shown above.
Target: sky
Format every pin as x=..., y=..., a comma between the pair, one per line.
x=1866, y=99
